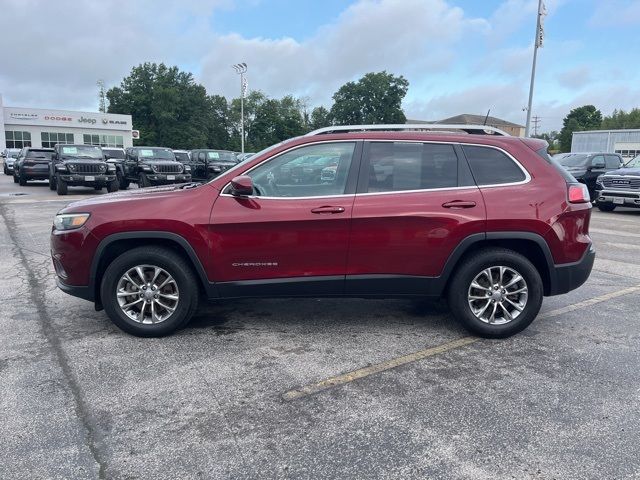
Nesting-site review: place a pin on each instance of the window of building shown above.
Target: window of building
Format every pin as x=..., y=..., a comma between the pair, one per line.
x=492, y=167
x=51, y=139
x=103, y=140
x=397, y=166
x=16, y=139
x=628, y=153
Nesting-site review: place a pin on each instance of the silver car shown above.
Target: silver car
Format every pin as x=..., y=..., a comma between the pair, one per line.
x=9, y=156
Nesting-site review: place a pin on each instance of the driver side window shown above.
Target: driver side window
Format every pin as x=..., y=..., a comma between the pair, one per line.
x=311, y=171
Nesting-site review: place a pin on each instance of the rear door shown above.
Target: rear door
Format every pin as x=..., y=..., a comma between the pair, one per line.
x=291, y=237
x=415, y=203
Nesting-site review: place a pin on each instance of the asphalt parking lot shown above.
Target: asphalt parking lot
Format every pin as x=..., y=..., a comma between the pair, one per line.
x=315, y=388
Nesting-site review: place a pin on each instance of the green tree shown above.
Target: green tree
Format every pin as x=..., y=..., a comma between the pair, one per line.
x=620, y=119
x=375, y=98
x=167, y=106
x=320, y=117
x=218, y=122
x=586, y=117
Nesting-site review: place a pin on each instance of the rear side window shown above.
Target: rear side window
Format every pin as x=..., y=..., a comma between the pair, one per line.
x=492, y=167
x=397, y=166
x=559, y=168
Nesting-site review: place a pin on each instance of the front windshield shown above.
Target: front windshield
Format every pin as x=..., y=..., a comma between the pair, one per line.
x=633, y=163
x=13, y=153
x=182, y=156
x=156, y=154
x=81, y=151
x=574, y=161
x=116, y=153
x=221, y=155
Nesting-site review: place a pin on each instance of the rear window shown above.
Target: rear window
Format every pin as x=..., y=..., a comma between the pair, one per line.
x=566, y=175
x=492, y=167
x=114, y=153
x=38, y=154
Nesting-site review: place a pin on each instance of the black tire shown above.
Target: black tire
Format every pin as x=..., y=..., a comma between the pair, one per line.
x=459, y=289
x=172, y=263
x=52, y=183
x=15, y=178
x=123, y=182
x=113, y=186
x=606, y=207
x=143, y=181
x=61, y=187
x=22, y=180
x=4, y=168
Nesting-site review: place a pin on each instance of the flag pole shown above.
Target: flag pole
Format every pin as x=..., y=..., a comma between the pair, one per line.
x=537, y=44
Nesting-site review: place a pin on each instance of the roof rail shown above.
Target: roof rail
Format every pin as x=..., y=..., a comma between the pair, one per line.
x=472, y=129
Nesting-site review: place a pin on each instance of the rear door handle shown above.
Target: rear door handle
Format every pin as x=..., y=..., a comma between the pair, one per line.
x=459, y=204
x=328, y=209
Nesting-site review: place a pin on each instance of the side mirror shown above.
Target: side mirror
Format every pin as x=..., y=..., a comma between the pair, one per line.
x=107, y=157
x=241, y=186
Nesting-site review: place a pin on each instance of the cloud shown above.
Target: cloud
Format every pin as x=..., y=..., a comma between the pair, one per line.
x=616, y=13
x=575, y=78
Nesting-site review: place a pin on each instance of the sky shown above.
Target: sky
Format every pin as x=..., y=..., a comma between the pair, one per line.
x=459, y=56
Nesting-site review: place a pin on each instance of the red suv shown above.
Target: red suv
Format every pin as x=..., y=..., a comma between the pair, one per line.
x=487, y=220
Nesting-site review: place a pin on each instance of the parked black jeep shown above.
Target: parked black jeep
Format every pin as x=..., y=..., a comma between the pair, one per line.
x=587, y=167
x=116, y=156
x=81, y=166
x=148, y=166
x=207, y=164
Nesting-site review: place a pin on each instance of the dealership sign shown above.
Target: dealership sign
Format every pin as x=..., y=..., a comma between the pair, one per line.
x=36, y=117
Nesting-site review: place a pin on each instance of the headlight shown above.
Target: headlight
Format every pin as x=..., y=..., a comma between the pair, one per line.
x=599, y=179
x=71, y=167
x=146, y=168
x=102, y=168
x=187, y=168
x=61, y=167
x=111, y=167
x=70, y=221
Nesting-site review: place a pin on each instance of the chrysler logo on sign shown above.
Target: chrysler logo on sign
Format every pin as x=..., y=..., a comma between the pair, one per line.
x=23, y=116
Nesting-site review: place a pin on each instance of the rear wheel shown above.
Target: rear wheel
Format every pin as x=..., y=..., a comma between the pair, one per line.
x=22, y=180
x=606, y=207
x=52, y=183
x=149, y=291
x=5, y=169
x=496, y=293
x=15, y=177
x=123, y=182
x=61, y=187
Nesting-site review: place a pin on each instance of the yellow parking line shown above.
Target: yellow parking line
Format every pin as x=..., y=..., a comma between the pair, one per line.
x=432, y=351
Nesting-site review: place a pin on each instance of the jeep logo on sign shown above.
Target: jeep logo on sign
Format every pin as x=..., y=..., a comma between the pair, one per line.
x=92, y=121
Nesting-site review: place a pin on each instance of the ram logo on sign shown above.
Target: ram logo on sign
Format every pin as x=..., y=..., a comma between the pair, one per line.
x=135, y=134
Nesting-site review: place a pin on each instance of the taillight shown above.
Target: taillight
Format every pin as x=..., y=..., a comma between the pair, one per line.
x=578, y=193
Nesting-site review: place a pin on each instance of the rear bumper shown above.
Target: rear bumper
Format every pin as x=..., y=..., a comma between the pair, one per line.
x=567, y=277
x=34, y=173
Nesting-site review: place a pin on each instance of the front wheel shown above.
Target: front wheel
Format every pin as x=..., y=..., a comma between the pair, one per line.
x=15, y=178
x=5, y=169
x=123, y=183
x=606, y=207
x=113, y=186
x=52, y=183
x=143, y=181
x=61, y=187
x=149, y=291
x=496, y=293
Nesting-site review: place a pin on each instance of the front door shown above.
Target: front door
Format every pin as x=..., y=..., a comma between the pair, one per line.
x=290, y=237
x=415, y=203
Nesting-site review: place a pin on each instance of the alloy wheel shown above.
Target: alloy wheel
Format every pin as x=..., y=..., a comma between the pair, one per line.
x=498, y=295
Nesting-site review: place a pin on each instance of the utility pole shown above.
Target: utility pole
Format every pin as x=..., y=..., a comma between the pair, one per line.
x=542, y=11
x=536, y=122
x=241, y=69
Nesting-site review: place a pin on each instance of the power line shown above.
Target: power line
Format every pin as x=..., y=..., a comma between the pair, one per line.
x=536, y=122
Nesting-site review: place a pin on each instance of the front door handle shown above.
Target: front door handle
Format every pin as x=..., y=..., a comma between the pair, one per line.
x=459, y=204
x=327, y=209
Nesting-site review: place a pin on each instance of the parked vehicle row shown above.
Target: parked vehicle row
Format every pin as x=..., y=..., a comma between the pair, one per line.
x=9, y=156
x=619, y=188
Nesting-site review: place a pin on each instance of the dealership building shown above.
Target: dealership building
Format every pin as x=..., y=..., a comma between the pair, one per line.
x=624, y=142
x=43, y=127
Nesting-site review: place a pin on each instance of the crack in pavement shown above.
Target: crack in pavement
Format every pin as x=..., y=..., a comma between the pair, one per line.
x=46, y=325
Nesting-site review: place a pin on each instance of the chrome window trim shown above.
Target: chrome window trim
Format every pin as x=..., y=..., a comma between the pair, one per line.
x=496, y=185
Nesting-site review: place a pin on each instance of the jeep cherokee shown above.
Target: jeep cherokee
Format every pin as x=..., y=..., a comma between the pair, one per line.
x=488, y=221
x=80, y=165
x=32, y=164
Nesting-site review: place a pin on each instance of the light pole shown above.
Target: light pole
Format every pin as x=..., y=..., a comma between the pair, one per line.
x=542, y=11
x=241, y=69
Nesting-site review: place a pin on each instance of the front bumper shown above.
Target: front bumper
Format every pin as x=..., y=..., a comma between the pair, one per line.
x=567, y=277
x=77, y=180
x=86, y=293
x=167, y=178
x=622, y=198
